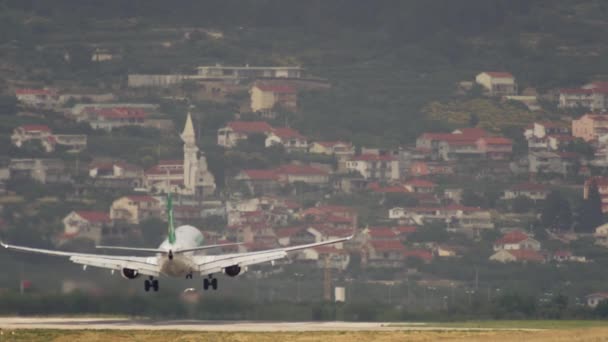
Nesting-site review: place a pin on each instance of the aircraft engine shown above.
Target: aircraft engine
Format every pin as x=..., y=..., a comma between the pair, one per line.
x=129, y=273
x=233, y=270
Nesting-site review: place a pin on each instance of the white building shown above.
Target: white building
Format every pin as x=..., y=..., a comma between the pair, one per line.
x=188, y=177
x=372, y=166
x=497, y=83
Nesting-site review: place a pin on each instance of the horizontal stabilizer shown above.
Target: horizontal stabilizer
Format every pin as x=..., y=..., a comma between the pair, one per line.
x=134, y=249
x=200, y=248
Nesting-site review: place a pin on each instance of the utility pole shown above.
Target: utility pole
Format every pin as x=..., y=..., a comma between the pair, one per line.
x=327, y=280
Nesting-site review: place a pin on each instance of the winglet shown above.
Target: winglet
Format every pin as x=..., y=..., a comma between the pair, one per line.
x=171, y=228
x=3, y=244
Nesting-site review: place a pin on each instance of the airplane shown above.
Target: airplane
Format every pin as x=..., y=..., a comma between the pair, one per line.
x=176, y=257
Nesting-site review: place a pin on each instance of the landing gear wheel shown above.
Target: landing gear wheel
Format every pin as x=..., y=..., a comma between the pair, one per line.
x=214, y=283
x=147, y=285
x=205, y=284
x=155, y=285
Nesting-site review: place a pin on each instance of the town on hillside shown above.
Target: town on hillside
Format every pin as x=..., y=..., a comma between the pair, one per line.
x=495, y=183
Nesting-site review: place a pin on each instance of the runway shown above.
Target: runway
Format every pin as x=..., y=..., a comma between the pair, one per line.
x=77, y=323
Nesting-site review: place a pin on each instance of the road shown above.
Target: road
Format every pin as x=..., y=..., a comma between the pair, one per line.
x=72, y=323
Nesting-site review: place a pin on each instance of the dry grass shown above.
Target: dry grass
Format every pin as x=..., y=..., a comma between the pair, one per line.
x=574, y=335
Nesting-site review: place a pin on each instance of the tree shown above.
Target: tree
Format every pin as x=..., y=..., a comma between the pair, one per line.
x=590, y=214
x=556, y=213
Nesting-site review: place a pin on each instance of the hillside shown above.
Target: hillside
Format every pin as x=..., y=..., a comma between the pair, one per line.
x=386, y=62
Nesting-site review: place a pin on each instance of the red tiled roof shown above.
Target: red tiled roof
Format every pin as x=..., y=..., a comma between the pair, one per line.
x=497, y=141
x=526, y=255
x=329, y=250
x=471, y=132
x=405, y=229
x=328, y=209
x=277, y=88
x=35, y=128
x=512, y=237
x=598, y=294
x=418, y=253
x=420, y=183
x=562, y=254
x=250, y=126
x=94, y=216
x=373, y=157
x=288, y=232
x=381, y=232
x=255, y=174
x=576, y=91
x=142, y=198
x=286, y=133
x=293, y=169
x=499, y=74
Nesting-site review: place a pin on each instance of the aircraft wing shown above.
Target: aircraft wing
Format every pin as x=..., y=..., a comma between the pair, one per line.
x=208, y=264
x=144, y=265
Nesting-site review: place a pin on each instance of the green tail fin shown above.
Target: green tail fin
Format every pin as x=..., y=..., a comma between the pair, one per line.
x=171, y=232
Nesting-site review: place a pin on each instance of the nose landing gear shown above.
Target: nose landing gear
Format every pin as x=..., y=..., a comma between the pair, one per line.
x=151, y=284
x=210, y=282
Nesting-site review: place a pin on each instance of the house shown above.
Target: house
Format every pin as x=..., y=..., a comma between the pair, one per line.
x=337, y=216
x=113, y=117
x=418, y=185
x=37, y=98
x=562, y=163
x=326, y=257
x=338, y=148
x=497, y=83
x=135, y=209
x=495, y=148
x=533, y=191
x=567, y=256
x=48, y=140
x=92, y=225
x=265, y=97
x=295, y=236
x=219, y=71
x=39, y=133
x=384, y=254
x=424, y=168
x=259, y=181
x=372, y=166
x=516, y=240
x=461, y=143
x=380, y=234
x=590, y=126
x=602, y=187
x=294, y=173
x=594, y=299
x=289, y=138
x=418, y=254
x=601, y=235
x=593, y=96
x=116, y=174
x=522, y=255
x=235, y=131
x=41, y=170
x=548, y=136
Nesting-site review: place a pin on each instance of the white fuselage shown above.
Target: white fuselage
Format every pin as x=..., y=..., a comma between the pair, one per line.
x=181, y=264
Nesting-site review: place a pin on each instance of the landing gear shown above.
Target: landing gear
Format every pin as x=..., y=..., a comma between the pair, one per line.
x=151, y=284
x=210, y=282
x=189, y=275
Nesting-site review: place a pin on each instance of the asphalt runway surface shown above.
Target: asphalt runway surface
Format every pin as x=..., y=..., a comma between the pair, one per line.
x=77, y=323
